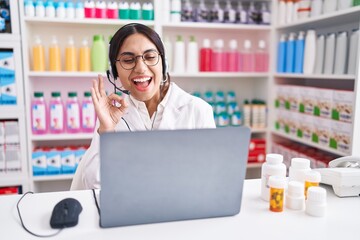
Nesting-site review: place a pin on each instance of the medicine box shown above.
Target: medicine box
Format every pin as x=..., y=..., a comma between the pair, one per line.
x=341, y=135
x=53, y=161
x=38, y=159
x=343, y=106
x=68, y=163
x=12, y=158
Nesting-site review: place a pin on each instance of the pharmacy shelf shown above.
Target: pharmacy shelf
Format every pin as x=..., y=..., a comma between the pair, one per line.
x=315, y=76
x=63, y=136
x=217, y=26
x=8, y=180
x=220, y=75
x=318, y=146
x=53, y=177
x=65, y=75
x=10, y=112
x=8, y=37
x=326, y=20
x=257, y=130
x=85, y=22
x=254, y=165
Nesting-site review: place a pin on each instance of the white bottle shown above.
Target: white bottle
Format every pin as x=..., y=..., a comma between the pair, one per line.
x=29, y=8
x=295, y=199
x=179, y=60
x=309, y=52
x=320, y=53
x=166, y=11
x=340, y=53
x=295, y=10
x=316, y=8
x=289, y=11
x=192, y=63
x=330, y=6
x=344, y=4
x=353, y=51
x=169, y=53
x=273, y=166
x=282, y=12
x=60, y=10
x=79, y=10
x=266, y=15
x=316, y=202
x=39, y=9
x=70, y=10
x=50, y=9
x=298, y=168
x=175, y=11
x=329, y=54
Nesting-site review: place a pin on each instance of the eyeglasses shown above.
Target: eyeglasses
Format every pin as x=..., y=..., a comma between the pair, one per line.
x=128, y=61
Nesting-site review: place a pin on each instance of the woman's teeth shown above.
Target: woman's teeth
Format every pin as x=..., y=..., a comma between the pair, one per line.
x=142, y=79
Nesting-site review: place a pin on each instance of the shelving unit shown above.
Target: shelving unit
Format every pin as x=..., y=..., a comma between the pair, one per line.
x=344, y=20
x=12, y=41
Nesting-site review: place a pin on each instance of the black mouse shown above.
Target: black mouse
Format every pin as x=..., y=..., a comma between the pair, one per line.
x=65, y=213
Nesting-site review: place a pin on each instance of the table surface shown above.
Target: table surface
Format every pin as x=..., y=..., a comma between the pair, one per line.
x=255, y=221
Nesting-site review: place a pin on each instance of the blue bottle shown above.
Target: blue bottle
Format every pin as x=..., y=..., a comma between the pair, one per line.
x=281, y=57
x=290, y=54
x=299, y=53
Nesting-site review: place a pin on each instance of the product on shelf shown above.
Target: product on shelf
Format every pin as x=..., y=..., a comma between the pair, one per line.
x=10, y=190
x=38, y=55
x=73, y=113
x=192, y=62
x=39, y=121
x=98, y=54
x=8, y=94
x=84, y=57
x=10, y=156
x=88, y=117
x=71, y=56
x=179, y=52
x=54, y=56
x=56, y=114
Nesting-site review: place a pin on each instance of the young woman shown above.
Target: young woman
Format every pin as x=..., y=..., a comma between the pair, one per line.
x=137, y=59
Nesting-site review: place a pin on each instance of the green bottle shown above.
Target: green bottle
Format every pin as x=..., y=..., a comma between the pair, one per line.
x=98, y=55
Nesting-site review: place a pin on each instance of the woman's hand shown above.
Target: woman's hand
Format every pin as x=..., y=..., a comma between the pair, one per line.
x=108, y=114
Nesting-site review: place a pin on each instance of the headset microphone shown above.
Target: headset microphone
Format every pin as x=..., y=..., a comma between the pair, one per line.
x=108, y=74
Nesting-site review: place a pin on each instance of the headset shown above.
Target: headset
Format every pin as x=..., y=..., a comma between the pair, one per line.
x=110, y=73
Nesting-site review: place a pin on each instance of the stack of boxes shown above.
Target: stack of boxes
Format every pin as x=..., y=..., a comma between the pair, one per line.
x=10, y=157
x=321, y=116
x=257, y=150
x=7, y=78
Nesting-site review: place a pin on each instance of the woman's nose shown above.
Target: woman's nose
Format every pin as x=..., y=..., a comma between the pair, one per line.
x=140, y=65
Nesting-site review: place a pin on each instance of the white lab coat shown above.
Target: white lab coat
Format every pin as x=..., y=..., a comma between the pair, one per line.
x=181, y=111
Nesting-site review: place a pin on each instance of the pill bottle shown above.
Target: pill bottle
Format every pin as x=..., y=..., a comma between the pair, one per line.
x=298, y=168
x=273, y=166
x=312, y=179
x=277, y=189
x=316, y=202
x=295, y=198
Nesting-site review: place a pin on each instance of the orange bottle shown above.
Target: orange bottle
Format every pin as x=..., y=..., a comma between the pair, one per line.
x=70, y=56
x=85, y=57
x=38, y=55
x=54, y=56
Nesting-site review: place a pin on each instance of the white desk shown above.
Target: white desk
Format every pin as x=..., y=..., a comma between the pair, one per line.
x=255, y=221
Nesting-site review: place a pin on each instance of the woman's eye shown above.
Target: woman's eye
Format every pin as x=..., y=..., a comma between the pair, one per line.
x=129, y=60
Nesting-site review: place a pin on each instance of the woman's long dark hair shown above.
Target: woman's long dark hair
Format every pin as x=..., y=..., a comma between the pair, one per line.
x=132, y=28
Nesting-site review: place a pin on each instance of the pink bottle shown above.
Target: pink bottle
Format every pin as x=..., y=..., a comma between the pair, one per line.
x=261, y=58
x=89, y=9
x=206, y=56
x=219, y=59
x=88, y=117
x=100, y=9
x=247, y=58
x=72, y=113
x=112, y=10
x=38, y=114
x=56, y=114
x=233, y=57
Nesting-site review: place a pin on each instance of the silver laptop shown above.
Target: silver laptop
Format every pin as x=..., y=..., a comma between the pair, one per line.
x=171, y=175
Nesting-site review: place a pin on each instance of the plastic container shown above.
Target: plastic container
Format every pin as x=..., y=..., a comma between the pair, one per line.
x=273, y=166
x=229, y=13
x=72, y=113
x=39, y=121
x=241, y=14
x=60, y=10
x=299, y=53
x=70, y=10
x=124, y=10
x=179, y=52
x=218, y=58
x=79, y=10
x=169, y=53
x=295, y=199
x=56, y=114
x=316, y=202
x=277, y=191
x=217, y=13
x=38, y=55
x=50, y=9
x=290, y=53
x=265, y=14
x=298, y=169
x=353, y=46
x=247, y=57
x=70, y=56
x=98, y=54
x=29, y=8
x=206, y=56
x=39, y=9
x=261, y=57
x=201, y=13
x=54, y=56
x=330, y=6
x=147, y=11
x=233, y=57
x=309, y=52
x=282, y=12
x=187, y=12
x=316, y=8
x=312, y=179
x=112, y=11
x=85, y=57
x=341, y=53
x=320, y=52
x=88, y=118
x=289, y=11
x=175, y=11
x=281, y=58
x=329, y=54
x=192, y=63
x=89, y=9
x=135, y=11
x=100, y=9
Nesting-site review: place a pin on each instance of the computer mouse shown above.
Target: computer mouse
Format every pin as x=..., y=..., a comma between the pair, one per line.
x=65, y=213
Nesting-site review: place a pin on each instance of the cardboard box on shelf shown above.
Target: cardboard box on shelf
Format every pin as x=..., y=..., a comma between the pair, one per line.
x=343, y=105
x=341, y=135
x=324, y=102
